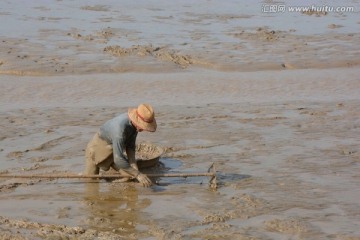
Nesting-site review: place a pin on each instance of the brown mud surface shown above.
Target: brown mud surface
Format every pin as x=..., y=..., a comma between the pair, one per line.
x=272, y=99
x=286, y=152
x=251, y=50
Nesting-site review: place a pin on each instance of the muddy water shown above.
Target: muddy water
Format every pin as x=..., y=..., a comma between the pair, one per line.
x=286, y=168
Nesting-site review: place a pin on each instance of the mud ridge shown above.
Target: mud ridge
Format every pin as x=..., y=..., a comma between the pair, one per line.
x=159, y=53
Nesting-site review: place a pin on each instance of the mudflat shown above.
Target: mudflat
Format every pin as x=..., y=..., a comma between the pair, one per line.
x=273, y=100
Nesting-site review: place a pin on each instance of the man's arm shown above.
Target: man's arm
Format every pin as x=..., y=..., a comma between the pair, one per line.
x=120, y=161
x=130, y=168
x=130, y=152
x=142, y=178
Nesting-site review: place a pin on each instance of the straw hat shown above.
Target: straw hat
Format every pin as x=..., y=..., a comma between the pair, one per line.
x=144, y=117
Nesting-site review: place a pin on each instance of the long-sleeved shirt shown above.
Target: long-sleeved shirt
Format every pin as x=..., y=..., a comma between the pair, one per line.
x=121, y=134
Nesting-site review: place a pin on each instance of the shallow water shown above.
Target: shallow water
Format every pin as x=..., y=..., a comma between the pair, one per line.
x=56, y=37
x=289, y=170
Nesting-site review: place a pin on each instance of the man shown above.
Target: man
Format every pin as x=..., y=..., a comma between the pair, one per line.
x=116, y=136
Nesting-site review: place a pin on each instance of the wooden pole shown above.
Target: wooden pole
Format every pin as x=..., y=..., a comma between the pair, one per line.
x=104, y=176
x=211, y=173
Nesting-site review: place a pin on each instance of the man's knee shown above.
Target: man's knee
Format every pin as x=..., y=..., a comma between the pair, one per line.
x=91, y=169
x=105, y=165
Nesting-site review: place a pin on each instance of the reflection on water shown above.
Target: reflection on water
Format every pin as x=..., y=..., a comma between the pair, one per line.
x=112, y=208
x=116, y=206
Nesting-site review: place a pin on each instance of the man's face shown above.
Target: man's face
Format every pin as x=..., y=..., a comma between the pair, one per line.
x=138, y=129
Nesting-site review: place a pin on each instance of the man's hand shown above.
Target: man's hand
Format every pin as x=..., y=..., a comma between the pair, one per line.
x=144, y=180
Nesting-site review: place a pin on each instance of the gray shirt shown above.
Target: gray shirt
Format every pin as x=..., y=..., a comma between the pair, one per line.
x=121, y=134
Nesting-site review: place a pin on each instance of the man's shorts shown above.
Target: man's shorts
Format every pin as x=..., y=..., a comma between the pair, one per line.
x=99, y=152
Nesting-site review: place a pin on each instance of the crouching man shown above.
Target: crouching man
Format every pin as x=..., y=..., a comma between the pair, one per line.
x=118, y=135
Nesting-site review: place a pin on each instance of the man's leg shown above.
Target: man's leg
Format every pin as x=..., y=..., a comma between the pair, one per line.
x=97, y=155
x=105, y=165
x=90, y=166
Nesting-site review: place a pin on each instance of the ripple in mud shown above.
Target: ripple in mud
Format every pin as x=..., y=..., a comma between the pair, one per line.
x=290, y=226
x=9, y=187
x=226, y=179
x=48, y=231
x=100, y=8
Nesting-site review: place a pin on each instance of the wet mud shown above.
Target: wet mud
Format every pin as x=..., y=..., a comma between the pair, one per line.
x=124, y=37
x=271, y=99
x=283, y=170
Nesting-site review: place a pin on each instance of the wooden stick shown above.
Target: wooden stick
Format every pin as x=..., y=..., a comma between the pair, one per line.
x=211, y=173
x=105, y=176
